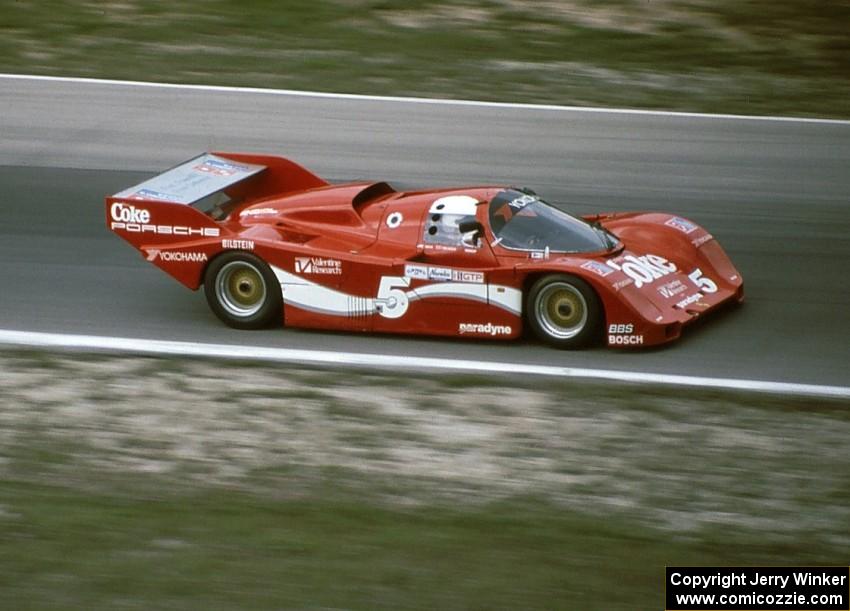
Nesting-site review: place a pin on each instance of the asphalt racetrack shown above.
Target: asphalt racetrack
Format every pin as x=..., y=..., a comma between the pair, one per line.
x=775, y=193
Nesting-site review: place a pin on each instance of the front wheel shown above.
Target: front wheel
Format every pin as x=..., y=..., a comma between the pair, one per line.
x=564, y=311
x=243, y=291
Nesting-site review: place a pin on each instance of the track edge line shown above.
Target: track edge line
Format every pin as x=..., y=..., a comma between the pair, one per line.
x=126, y=345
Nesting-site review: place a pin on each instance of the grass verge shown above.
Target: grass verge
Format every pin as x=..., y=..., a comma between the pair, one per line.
x=225, y=549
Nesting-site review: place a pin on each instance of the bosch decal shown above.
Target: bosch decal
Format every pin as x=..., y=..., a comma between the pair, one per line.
x=625, y=340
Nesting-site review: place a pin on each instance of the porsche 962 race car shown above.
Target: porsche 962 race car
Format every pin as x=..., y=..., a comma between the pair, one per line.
x=273, y=243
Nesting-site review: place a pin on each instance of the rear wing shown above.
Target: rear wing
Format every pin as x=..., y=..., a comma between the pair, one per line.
x=192, y=180
x=186, y=201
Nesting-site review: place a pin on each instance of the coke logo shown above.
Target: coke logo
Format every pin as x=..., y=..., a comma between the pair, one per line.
x=128, y=213
x=643, y=270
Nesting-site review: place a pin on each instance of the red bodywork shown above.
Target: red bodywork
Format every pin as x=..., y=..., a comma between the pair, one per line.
x=357, y=257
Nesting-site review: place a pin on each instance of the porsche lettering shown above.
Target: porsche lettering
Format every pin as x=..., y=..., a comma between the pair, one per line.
x=178, y=230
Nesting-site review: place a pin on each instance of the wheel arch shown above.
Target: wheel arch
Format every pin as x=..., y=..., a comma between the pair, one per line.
x=598, y=287
x=566, y=271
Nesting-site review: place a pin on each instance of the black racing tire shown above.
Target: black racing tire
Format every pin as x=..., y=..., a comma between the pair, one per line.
x=564, y=311
x=242, y=291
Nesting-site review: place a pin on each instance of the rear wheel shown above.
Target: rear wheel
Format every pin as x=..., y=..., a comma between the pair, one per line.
x=242, y=291
x=564, y=311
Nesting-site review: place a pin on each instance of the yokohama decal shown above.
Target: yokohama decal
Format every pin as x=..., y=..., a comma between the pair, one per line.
x=178, y=256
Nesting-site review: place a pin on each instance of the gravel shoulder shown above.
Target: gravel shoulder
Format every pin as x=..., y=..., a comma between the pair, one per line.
x=140, y=483
x=674, y=459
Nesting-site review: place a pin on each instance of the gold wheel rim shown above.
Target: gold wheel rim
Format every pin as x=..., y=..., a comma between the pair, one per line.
x=561, y=310
x=241, y=289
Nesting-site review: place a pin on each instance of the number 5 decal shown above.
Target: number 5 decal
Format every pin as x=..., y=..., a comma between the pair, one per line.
x=392, y=302
x=706, y=285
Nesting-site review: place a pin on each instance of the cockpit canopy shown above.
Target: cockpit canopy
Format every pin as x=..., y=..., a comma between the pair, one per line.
x=520, y=220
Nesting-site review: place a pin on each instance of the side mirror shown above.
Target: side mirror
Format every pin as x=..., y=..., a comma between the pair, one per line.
x=471, y=229
x=471, y=225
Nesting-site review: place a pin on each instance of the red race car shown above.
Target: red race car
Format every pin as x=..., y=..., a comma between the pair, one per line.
x=271, y=242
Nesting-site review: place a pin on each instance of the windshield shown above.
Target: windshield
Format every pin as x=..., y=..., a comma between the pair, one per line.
x=525, y=222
